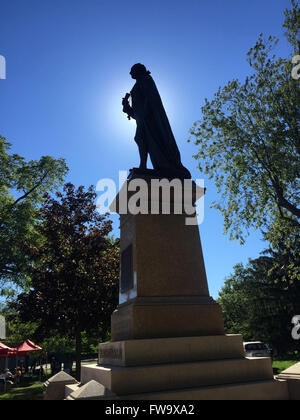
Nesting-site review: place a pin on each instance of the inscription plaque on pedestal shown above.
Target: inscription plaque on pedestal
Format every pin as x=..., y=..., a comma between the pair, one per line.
x=126, y=270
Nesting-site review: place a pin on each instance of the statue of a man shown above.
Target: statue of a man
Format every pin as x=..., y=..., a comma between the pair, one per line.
x=153, y=133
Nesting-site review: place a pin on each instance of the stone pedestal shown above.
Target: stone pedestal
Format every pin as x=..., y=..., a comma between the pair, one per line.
x=163, y=289
x=168, y=339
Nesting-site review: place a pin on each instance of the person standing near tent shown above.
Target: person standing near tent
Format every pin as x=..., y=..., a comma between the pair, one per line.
x=18, y=375
x=7, y=380
x=9, y=377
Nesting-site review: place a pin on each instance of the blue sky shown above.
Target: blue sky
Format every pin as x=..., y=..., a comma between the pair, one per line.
x=68, y=65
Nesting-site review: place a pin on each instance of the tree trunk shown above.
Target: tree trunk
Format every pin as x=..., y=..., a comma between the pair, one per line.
x=78, y=355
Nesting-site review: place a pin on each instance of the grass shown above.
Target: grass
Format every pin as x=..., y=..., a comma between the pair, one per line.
x=30, y=389
x=281, y=365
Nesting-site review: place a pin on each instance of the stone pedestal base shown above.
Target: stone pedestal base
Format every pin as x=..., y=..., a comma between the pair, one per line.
x=175, y=376
x=169, y=317
x=269, y=390
x=184, y=368
x=170, y=350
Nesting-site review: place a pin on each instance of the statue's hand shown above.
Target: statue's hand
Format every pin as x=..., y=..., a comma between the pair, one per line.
x=126, y=106
x=125, y=100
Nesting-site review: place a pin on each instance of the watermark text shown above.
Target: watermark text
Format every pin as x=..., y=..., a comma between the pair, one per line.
x=296, y=69
x=2, y=328
x=153, y=196
x=296, y=329
x=2, y=67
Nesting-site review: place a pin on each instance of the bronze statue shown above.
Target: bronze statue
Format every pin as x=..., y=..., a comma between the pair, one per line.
x=153, y=133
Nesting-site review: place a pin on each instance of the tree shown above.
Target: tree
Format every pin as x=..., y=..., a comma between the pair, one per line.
x=249, y=143
x=259, y=303
x=22, y=186
x=75, y=270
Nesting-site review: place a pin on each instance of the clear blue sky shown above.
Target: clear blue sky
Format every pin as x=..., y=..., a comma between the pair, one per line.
x=67, y=69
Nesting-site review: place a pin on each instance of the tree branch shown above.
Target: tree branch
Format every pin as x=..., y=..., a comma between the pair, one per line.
x=31, y=190
x=282, y=202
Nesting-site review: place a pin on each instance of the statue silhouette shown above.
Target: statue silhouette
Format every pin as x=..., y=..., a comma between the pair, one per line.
x=154, y=135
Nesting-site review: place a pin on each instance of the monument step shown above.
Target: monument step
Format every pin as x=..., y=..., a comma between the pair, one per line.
x=170, y=350
x=269, y=390
x=143, y=379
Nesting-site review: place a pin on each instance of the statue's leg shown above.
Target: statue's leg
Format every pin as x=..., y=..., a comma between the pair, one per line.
x=142, y=145
x=143, y=156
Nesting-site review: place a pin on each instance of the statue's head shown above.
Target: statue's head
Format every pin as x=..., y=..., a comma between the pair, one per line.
x=138, y=70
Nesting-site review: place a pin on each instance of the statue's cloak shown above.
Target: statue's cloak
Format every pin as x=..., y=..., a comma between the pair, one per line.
x=153, y=128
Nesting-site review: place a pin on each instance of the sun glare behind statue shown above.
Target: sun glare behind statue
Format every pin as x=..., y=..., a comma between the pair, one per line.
x=120, y=126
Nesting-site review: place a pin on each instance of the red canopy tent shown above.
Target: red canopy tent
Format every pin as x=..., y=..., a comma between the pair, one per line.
x=6, y=351
x=27, y=347
x=3, y=350
x=22, y=350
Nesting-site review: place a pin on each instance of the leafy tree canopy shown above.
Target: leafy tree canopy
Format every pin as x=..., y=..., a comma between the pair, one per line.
x=259, y=302
x=249, y=143
x=22, y=186
x=74, y=271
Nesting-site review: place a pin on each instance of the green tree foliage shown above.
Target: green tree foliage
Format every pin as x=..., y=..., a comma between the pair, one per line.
x=18, y=331
x=75, y=270
x=259, y=303
x=292, y=25
x=22, y=186
x=249, y=143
